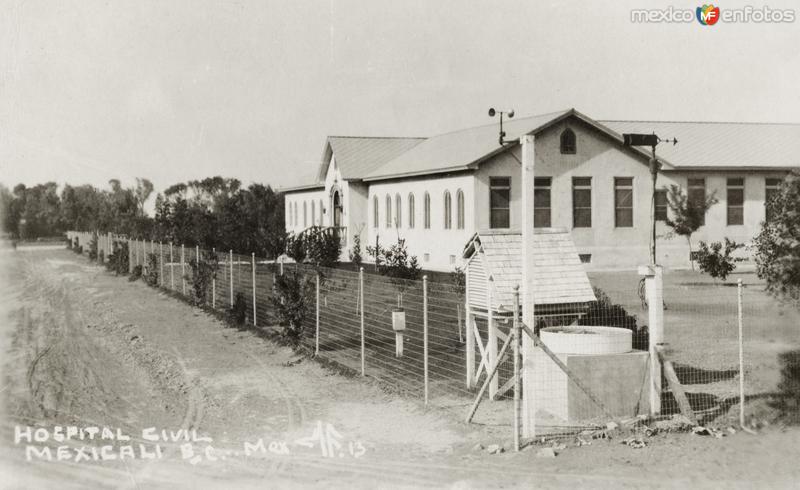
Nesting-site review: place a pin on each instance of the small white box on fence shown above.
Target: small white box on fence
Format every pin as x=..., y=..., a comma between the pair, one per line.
x=398, y=320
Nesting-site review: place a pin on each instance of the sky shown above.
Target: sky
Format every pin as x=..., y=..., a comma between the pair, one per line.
x=179, y=90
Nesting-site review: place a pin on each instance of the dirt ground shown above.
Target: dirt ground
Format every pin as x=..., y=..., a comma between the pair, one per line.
x=82, y=347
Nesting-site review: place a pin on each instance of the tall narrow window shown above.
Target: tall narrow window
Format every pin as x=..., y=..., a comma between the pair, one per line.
x=661, y=205
x=305, y=214
x=313, y=213
x=499, y=202
x=460, y=209
x=289, y=214
x=568, y=144
x=376, y=222
x=411, y=210
x=321, y=212
x=771, y=190
x=448, y=215
x=735, y=201
x=426, y=218
x=582, y=202
x=623, y=202
x=296, y=215
x=541, y=202
x=388, y=211
x=697, y=194
x=398, y=209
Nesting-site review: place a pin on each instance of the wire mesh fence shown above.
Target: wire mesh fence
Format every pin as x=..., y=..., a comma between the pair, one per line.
x=585, y=363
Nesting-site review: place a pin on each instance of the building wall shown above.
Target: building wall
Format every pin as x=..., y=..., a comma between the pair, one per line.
x=299, y=198
x=436, y=248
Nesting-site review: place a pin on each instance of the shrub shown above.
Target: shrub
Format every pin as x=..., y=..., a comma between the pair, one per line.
x=151, y=276
x=605, y=313
x=318, y=245
x=355, y=252
x=715, y=261
x=788, y=399
x=101, y=257
x=136, y=274
x=294, y=294
x=400, y=267
x=78, y=249
x=204, y=271
x=93, y=247
x=118, y=260
x=237, y=313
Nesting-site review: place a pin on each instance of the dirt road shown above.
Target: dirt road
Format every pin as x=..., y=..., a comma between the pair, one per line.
x=83, y=348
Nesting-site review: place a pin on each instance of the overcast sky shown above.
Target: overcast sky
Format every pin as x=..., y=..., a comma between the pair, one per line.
x=178, y=90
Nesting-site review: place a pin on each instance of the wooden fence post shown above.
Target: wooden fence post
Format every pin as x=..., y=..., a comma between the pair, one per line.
x=253, y=260
x=741, y=352
x=214, y=281
x=425, y=333
x=171, y=268
x=361, y=298
x=470, y=347
x=517, y=367
x=230, y=266
x=183, y=269
x=161, y=262
x=316, y=346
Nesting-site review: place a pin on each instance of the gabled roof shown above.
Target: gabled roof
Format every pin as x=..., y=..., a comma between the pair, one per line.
x=715, y=145
x=559, y=277
x=465, y=149
x=358, y=156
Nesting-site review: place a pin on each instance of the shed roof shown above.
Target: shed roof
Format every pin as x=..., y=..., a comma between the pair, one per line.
x=559, y=276
x=357, y=156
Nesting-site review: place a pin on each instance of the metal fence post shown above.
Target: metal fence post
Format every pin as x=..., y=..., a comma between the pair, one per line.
x=741, y=354
x=425, y=333
x=214, y=281
x=171, y=269
x=316, y=346
x=183, y=269
x=161, y=262
x=517, y=365
x=253, y=260
x=361, y=298
x=130, y=257
x=230, y=266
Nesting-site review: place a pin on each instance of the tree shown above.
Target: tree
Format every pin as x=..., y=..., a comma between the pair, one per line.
x=143, y=190
x=715, y=261
x=398, y=265
x=778, y=244
x=686, y=214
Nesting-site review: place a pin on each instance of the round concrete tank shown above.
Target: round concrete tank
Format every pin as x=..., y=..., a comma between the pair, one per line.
x=587, y=340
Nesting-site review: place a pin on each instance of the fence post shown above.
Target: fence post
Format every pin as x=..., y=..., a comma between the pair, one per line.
x=130, y=257
x=741, y=354
x=517, y=365
x=230, y=266
x=161, y=262
x=425, y=333
x=470, y=347
x=171, y=269
x=361, y=299
x=253, y=260
x=655, y=309
x=214, y=281
x=316, y=346
x=183, y=269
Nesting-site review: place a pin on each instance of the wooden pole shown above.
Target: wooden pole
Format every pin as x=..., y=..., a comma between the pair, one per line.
x=183, y=269
x=527, y=206
x=489, y=377
x=655, y=303
x=171, y=268
x=253, y=260
x=517, y=367
x=363, y=343
x=470, y=347
x=741, y=353
x=161, y=262
x=316, y=336
x=425, y=332
x=230, y=265
x=491, y=342
x=214, y=281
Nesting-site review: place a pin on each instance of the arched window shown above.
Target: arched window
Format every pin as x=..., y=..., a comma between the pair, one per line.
x=321, y=212
x=296, y=216
x=305, y=214
x=411, y=210
x=568, y=144
x=375, y=214
x=388, y=211
x=313, y=213
x=398, y=210
x=289, y=214
x=448, y=216
x=426, y=219
x=460, y=209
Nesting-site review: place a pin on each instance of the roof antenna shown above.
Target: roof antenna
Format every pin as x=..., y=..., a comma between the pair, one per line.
x=509, y=113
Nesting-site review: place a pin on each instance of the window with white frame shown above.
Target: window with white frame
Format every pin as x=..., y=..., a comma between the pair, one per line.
x=448, y=215
x=460, y=209
x=388, y=211
x=398, y=209
x=542, y=202
x=499, y=202
x=426, y=219
x=623, y=202
x=375, y=213
x=411, y=210
x=735, y=201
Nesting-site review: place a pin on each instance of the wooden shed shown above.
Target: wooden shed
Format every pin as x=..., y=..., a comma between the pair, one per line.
x=494, y=269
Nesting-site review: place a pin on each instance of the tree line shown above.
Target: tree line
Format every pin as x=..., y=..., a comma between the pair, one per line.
x=213, y=212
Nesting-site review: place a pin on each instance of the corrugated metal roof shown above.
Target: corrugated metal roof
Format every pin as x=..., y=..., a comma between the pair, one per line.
x=717, y=145
x=559, y=276
x=356, y=157
x=459, y=149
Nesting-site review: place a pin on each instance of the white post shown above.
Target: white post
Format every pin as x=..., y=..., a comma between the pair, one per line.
x=171, y=268
x=316, y=346
x=516, y=332
x=470, y=347
x=130, y=257
x=214, y=281
x=161, y=262
x=253, y=261
x=528, y=272
x=655, y=329
x=741, y=354
x=491, y=342
x=361, y=299
x=183, y=269
x=425, y=332
x=230, y=266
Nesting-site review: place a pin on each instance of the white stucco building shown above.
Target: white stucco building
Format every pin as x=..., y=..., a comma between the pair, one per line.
x=437, y=192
